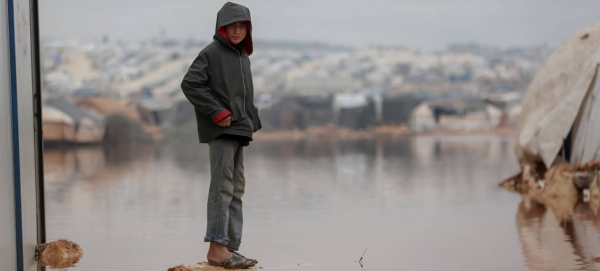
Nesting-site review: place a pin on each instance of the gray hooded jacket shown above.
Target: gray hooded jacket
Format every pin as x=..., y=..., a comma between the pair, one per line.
x=219, y=81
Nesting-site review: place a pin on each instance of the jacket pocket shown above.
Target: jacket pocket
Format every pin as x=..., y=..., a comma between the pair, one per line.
x=256, y=119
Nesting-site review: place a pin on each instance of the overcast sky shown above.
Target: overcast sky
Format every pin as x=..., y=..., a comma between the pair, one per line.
x=421, y=24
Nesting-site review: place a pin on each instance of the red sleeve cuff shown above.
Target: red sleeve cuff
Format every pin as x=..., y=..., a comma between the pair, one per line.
x=221, y=115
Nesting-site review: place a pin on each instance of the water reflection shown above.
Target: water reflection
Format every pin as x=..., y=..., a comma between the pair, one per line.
x=550, y=242
x=318, y=203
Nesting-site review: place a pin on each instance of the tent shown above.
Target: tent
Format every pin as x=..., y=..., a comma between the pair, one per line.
x=560, y=109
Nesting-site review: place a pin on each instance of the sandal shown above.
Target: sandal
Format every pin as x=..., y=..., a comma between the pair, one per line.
x=245, y=258
x=234, y=261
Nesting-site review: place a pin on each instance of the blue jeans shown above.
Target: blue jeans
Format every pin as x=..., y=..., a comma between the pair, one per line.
x=227, y=182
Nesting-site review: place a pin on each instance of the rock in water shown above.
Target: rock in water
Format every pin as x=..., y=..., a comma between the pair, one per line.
x=59, y=254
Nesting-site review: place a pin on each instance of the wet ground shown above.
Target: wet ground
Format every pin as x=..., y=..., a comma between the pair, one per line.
x=416, y=203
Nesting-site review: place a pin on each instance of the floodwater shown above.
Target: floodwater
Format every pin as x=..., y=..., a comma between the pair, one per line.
x=414, y=203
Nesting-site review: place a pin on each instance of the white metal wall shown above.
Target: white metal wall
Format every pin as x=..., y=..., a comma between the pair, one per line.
x=24, y=79
x=8, y=255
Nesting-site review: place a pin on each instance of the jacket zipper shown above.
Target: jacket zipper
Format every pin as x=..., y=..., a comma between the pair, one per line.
x=244, y=85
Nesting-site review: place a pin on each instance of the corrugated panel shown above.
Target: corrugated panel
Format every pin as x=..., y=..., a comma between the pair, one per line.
x=586, y=131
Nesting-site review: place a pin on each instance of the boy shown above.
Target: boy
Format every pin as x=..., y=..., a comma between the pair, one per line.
x=219, y=85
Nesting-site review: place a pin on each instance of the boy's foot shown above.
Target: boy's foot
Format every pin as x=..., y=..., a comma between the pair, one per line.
x=220, y=256
x=245, y=258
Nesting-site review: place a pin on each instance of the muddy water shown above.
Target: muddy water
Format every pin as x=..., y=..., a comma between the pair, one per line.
x=416, y=203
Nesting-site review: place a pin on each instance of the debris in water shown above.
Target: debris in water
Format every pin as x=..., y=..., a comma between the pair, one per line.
x=361, y=258
x=59, y=254
x=513, y=183
x=585, y=36
x=586, y=195
x=526, y=180
x=559, y=187
x=541, y=183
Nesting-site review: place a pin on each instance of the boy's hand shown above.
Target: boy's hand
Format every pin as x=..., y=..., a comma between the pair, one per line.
x=225, y=122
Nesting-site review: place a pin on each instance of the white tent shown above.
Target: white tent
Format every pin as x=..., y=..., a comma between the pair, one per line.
x=562, y=98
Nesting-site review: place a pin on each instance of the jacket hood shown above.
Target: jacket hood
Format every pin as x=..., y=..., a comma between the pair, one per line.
x=230, y=13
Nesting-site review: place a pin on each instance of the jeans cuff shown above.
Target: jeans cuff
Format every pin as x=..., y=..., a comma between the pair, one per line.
x=221, y=240
x=233, y=246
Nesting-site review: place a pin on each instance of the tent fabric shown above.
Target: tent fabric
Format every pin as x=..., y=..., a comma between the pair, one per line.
x=555, y=95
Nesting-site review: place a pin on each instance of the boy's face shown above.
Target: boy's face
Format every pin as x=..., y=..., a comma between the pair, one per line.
x=236, y=32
